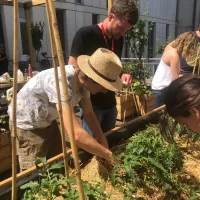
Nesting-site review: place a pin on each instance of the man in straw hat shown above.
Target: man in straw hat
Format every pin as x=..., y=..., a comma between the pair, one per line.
x=38, y=134
x=107, y=34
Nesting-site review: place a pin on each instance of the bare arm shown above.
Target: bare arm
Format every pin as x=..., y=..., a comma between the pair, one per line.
x=72, y=61
x=92, y=121
x=175, y=65
x=83, y=139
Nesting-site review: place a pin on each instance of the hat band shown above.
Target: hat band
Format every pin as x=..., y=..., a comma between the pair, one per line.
x=101, y=75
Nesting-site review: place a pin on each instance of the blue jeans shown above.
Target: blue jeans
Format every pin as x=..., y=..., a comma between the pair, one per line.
x=106, y=118
x=159, y=96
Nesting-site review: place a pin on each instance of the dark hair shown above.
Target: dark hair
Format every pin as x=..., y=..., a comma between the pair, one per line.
x=125, y=9
x=181, y=95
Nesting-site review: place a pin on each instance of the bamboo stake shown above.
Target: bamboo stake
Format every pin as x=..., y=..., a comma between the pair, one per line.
x=53, y=50
x=58, y=157
x=14, y=128
x=68, y=106
x=134, y=120
x=109, y=5
x=10, y=3
x=29, y=35
x=33, y=3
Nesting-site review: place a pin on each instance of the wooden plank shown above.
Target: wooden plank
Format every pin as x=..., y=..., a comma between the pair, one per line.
x=126, y=113
x=10, y=3
x=33, y=3
x=9, y=85
x=5, y=164
x=149, y=109
x=5, y=152
x=125, y=106
x=124, y=98
x=4, y=139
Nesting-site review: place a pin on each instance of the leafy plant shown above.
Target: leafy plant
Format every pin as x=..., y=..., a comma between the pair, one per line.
x=52, y=184
x=137, y=41
x=140, y=88
x=149, y=161
x=4, y=121
x=133, y=68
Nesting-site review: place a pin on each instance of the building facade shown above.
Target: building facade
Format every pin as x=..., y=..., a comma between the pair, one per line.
x=169, y=19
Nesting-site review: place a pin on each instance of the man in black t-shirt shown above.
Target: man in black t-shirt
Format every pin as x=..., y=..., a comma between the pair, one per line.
x=107, y=34
x=3, y=60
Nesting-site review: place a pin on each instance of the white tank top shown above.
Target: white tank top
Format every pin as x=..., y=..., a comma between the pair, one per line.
x=162, y=77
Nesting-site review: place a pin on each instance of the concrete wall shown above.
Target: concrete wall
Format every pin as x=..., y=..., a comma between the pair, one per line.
x=188, y=16
x=75, y=17
x=162, y=12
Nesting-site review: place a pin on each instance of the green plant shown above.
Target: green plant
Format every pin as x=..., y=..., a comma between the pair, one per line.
x=133, y=68
x=4, y=121
x=150, y=162
x=137, y=41
x=139, y=88
x=52, y=184
x=37, y=31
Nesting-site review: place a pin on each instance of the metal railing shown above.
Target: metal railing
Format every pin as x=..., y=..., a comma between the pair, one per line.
x=152, y=63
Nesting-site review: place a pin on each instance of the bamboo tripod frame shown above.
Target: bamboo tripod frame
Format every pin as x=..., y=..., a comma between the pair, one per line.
x=54, y=36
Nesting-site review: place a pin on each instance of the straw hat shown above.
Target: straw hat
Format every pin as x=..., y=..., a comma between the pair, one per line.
x=104, y=67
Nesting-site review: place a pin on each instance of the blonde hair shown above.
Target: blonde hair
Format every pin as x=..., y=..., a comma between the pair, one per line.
x=186, y=45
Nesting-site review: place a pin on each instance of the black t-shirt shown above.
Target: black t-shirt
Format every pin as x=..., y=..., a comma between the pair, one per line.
x=3, y=64
x=186, y=69
x=86, y=41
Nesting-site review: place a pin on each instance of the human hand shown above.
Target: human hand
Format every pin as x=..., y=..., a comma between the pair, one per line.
x=126, y=80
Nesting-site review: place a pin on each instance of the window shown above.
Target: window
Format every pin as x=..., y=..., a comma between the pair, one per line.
x=95, y=19
x=24, y=36
x=151, y=39
x=79, y=1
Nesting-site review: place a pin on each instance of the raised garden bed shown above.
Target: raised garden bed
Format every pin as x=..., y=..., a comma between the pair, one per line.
x=130, y=104
x=5, y=151
x=149, y=168
x=5, y=144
